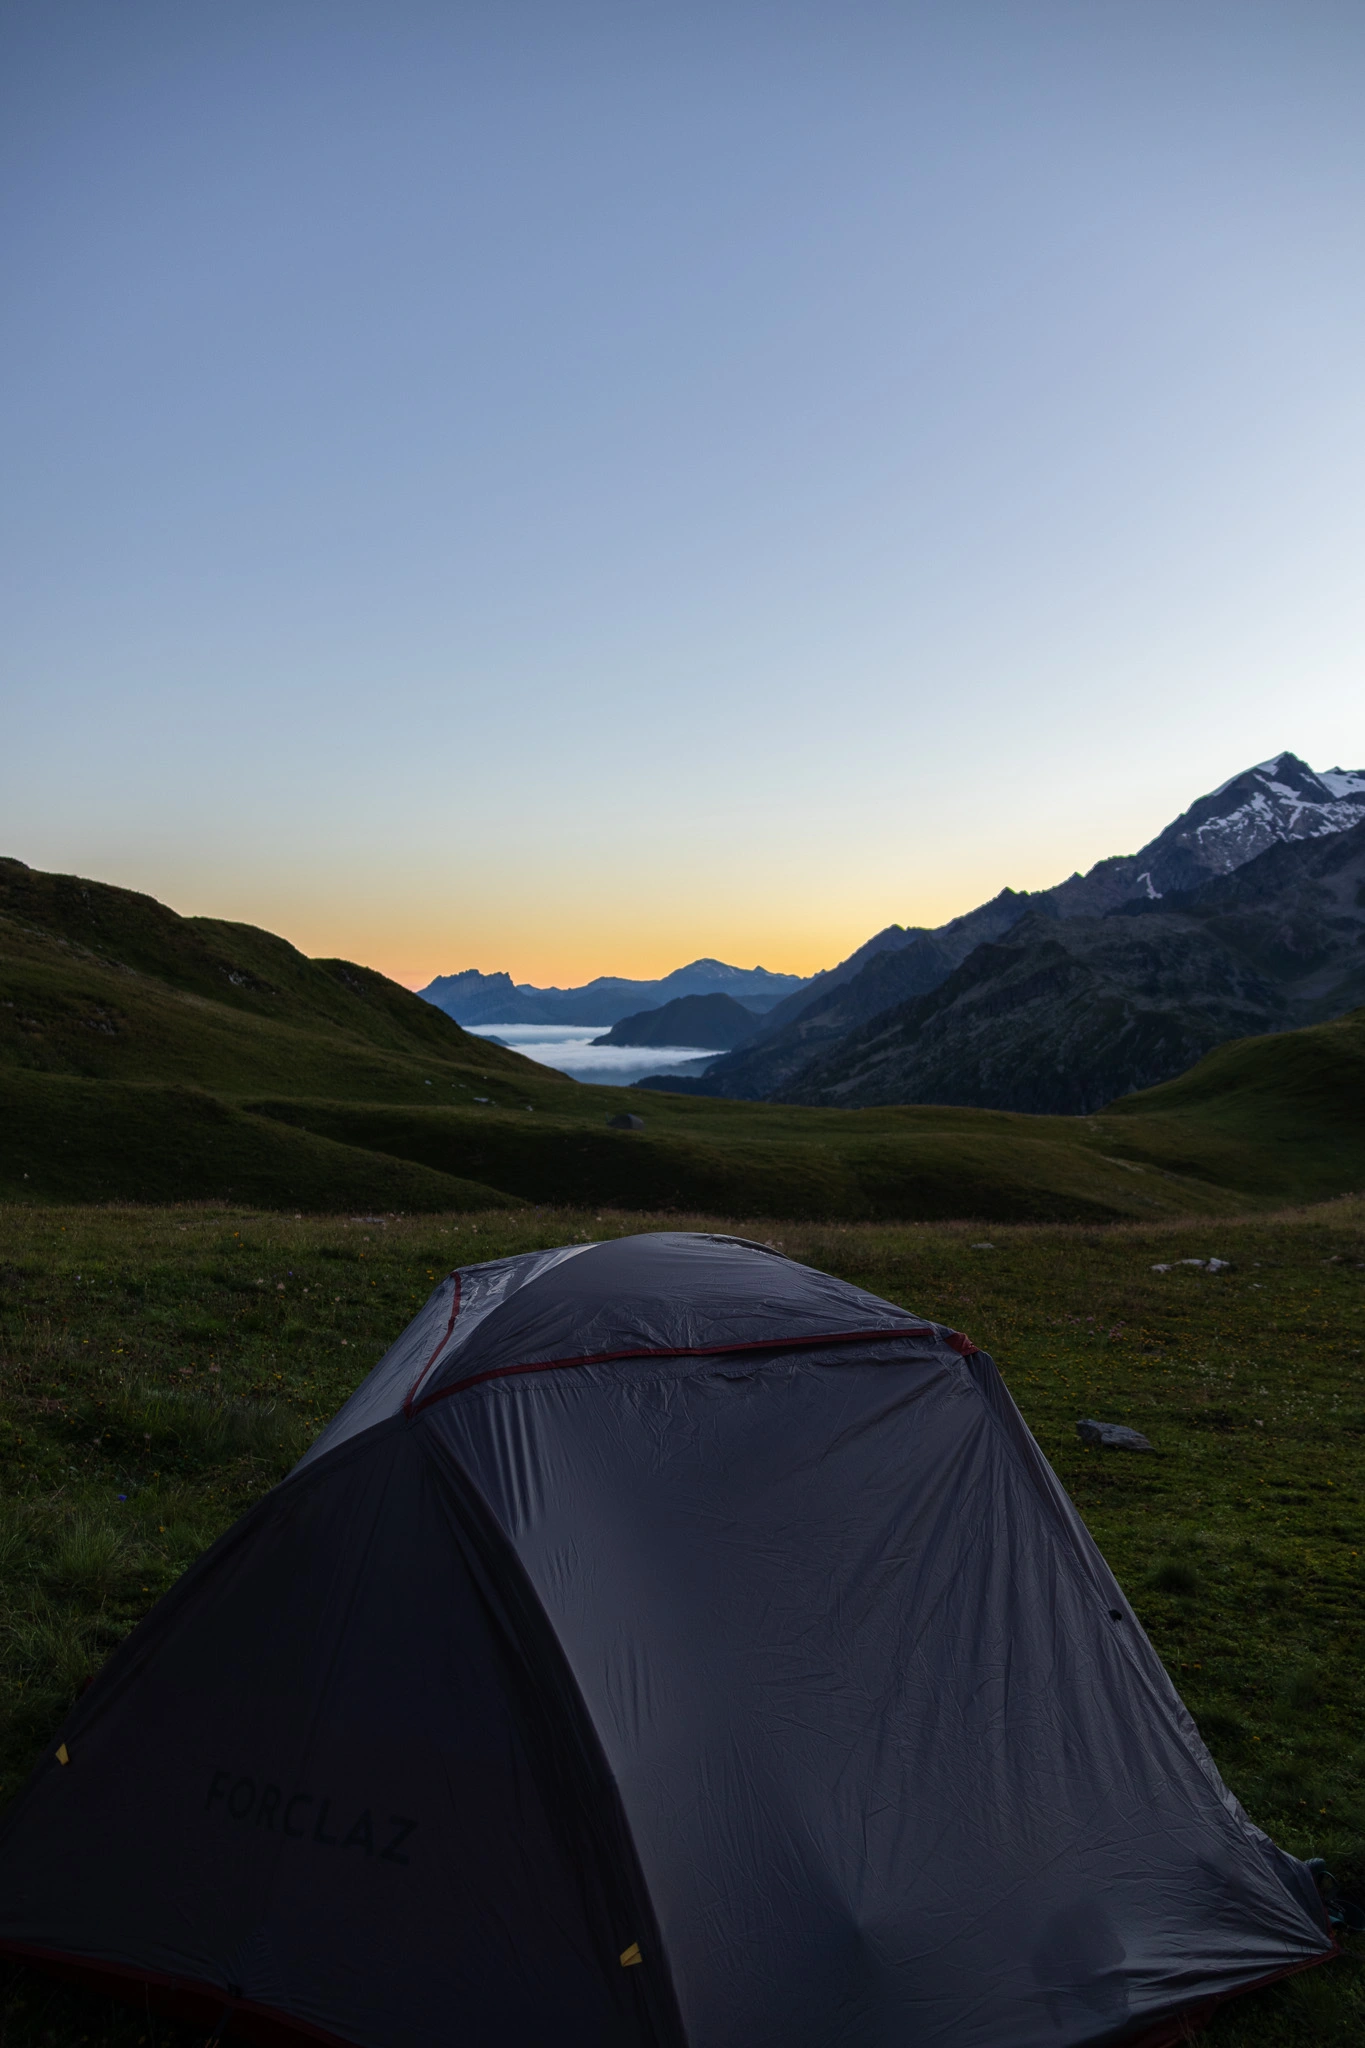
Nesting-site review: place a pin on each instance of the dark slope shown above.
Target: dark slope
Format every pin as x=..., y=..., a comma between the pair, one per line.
x=1063, y=1015
x=68, y=1140
x=761, y=1070
x=791, y=1006
x=307, y=1085
x=1055, y=1019
x=1281, y=800
x=709, y=1021
x=84, y=964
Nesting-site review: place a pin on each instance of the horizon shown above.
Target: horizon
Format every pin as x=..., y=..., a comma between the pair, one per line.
x=699, y=960
x=585, y=489
x=419, y=983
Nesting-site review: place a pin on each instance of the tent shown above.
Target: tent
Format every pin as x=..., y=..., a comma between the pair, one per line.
x=667, y=1644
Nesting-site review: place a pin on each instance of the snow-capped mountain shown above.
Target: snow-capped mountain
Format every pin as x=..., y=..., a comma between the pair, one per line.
x=1279, y=799
x=1064, y=1014
x=1276, y=802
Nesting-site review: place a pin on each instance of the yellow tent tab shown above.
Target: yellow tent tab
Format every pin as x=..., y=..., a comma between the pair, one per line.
x=64, y=1757
x=630, y=1956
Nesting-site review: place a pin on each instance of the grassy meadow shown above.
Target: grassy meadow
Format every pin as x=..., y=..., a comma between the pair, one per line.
x=151, y=1058
x=160, y=1367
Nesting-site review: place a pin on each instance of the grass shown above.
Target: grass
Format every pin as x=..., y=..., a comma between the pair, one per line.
x=536, y=1137
x=162, y=1367
x=152, y=1058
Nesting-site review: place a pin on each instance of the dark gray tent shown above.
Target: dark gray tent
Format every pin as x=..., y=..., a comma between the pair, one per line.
x=667, y=1644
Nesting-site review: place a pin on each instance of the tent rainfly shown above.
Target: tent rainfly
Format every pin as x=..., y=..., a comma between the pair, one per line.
x=667, y=1646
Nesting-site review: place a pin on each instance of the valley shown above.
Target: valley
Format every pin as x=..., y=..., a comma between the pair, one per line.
x=150, y=1058
x=1245, y=915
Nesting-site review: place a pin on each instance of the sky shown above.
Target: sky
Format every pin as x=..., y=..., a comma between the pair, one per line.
x=567, y=486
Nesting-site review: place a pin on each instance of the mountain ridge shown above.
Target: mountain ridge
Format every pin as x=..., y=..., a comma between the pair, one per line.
x=146, y=1057
x=472, y=997
x=1064, y=1015
x=1277, y=801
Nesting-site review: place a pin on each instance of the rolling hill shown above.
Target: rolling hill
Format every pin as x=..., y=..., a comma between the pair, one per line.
x=715, y=1022
x=148, y=1057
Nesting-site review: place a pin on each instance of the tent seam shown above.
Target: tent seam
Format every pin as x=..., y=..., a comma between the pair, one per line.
x=411, y=1394
x=775, y=1344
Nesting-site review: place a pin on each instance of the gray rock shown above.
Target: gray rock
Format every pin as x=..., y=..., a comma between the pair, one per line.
x=625, y=1123
x=1114, y=1436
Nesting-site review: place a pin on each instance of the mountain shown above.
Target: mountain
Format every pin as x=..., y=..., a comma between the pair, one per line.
x=474, y=998
x=791, y=1006
x=715, y=1022
x=146, y=1057
x=781, y=1048
x=1063, y=1015
x=1280, y=801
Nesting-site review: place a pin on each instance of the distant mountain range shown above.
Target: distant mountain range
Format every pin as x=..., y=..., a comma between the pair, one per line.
x=474, y=998
x=1243, y=916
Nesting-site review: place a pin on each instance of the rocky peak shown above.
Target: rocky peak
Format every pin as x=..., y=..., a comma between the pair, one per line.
x=1277, y=800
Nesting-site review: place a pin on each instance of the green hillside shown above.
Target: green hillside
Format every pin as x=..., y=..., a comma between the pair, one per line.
x=111, y=985
x=149, y=1057
x=83, y=1141
x=1280, y=1115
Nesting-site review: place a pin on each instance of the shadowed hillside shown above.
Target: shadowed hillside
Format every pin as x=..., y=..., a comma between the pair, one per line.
x=148, y=1057
x=1250, y=904
x=1065, y=1014
x=711, y=1021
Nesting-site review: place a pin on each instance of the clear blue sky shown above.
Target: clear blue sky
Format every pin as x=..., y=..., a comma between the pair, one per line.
x=568, y=487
